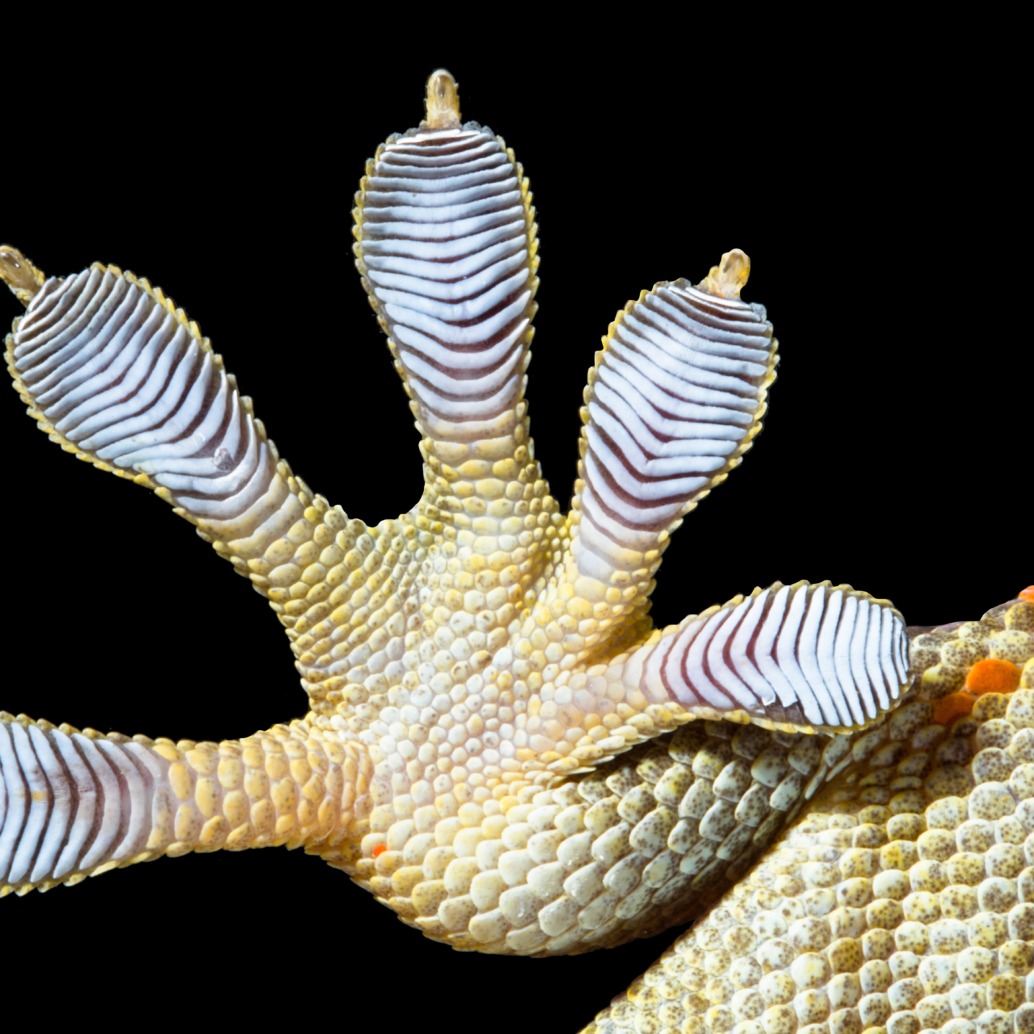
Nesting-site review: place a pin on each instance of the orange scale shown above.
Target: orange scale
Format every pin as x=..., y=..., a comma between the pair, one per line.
x=955, y=705
x=992, y=675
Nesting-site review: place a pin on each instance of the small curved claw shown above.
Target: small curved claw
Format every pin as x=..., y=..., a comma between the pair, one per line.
x=729, y=277
x=443, y=101
x=20, y=275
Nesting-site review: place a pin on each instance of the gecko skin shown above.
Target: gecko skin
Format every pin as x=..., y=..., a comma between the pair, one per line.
x=499, y=746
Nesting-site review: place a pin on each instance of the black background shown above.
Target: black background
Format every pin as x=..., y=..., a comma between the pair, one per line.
x=877, y=202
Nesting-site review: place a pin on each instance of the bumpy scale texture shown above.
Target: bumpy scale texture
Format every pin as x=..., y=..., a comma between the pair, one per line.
x=903, y=900
x=499, y=744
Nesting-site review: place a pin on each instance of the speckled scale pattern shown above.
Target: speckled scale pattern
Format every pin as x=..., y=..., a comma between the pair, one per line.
x=622, y=852
x=903, y=900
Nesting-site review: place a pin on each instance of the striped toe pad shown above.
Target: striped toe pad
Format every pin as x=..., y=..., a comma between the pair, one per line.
x=675, y=399
x=116, y=373
x=446, y=246
x=801, y=655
